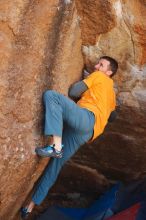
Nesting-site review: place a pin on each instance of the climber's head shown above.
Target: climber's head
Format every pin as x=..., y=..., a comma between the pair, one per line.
x=107, y=65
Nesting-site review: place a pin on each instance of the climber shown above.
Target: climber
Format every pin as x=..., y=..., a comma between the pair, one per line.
x=73, y=124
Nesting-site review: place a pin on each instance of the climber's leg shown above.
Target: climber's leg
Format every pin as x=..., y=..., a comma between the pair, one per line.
x=72, y=139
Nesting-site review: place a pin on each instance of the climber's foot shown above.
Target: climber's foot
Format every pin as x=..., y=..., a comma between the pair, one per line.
x=49, y=151
x=24, y=213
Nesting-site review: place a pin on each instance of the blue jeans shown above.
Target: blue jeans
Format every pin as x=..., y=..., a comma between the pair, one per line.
x=63, y=117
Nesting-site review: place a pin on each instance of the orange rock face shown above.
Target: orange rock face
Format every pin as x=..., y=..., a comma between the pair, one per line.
x=125, y=41
x=42, y=46
x=96, y=18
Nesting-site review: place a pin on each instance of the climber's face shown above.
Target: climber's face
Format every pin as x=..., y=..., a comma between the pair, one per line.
x=103, y=65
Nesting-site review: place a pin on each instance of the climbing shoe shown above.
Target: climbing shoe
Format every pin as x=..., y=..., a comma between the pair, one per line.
x=48, y=151
x=24, y=213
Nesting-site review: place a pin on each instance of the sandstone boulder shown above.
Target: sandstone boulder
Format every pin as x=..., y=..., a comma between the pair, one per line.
x=44, y=45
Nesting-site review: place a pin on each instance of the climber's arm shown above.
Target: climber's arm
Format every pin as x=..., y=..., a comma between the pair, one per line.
x=76, y=90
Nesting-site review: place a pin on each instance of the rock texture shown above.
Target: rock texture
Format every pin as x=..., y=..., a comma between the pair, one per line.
x=120, y=152
x=124, y=40
x=40, y=48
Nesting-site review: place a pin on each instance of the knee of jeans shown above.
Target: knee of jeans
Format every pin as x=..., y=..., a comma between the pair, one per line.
x=48, y=93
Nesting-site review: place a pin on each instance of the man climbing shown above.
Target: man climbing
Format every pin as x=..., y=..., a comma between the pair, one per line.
x=73, y=124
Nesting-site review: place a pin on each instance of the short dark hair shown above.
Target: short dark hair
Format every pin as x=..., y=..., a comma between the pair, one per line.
x=113, y=64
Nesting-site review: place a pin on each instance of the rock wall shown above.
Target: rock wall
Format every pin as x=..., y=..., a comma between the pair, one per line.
x=121, y=33
x=40, y=48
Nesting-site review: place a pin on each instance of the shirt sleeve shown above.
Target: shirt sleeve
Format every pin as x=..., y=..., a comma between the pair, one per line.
x=77, y=89
x=90, y=79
